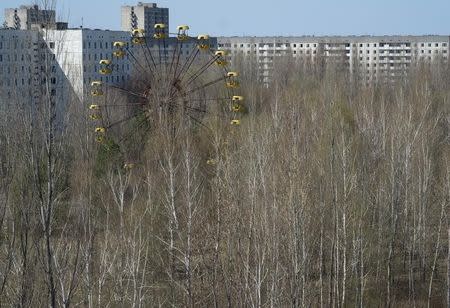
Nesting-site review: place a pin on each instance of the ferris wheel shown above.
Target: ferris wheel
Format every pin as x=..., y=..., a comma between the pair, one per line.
x=176, y=79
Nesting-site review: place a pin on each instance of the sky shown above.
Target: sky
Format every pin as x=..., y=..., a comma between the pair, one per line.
x=267, y=18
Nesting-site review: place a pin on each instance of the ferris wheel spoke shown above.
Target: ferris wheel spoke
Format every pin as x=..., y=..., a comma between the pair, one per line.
x=128, y=91
x=185, y=68
x=121, y=105
x=178, y=60
x=146, y=58
x=140, y=124
x=198, y=122
x=189, y=59
x=165, y=53
x=123, y=120
x=197, y=74
x=209, y=99
x=150, y=53
x=196, y=109
x=208, y=84
x=173, y=56
x=136, y=60
x=159, y=53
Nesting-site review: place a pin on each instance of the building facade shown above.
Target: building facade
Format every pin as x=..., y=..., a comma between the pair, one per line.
x=29, y=17
x=376, y=58
x=28, y=69
x=144, y=16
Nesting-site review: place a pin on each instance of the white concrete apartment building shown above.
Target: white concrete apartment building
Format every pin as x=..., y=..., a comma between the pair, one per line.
x=27, y=67
x=78, y=52
x=375, y=57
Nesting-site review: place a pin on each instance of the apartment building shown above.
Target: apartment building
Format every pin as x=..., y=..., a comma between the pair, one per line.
x=374, y=57
x=28, y=17
x=78, y=52
x=28, y=70
x=144, y=16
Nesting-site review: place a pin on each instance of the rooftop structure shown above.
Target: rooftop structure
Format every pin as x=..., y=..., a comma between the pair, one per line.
x=144, y=16
x=28, y=17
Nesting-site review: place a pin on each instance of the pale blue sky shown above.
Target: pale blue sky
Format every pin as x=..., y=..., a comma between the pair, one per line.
x=282, y=17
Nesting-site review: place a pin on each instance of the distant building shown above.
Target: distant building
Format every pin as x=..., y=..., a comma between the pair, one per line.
x=376, y=58
x=144, y=16
x=28, y=17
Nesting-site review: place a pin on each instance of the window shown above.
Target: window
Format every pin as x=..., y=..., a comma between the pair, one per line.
x=52, y=45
